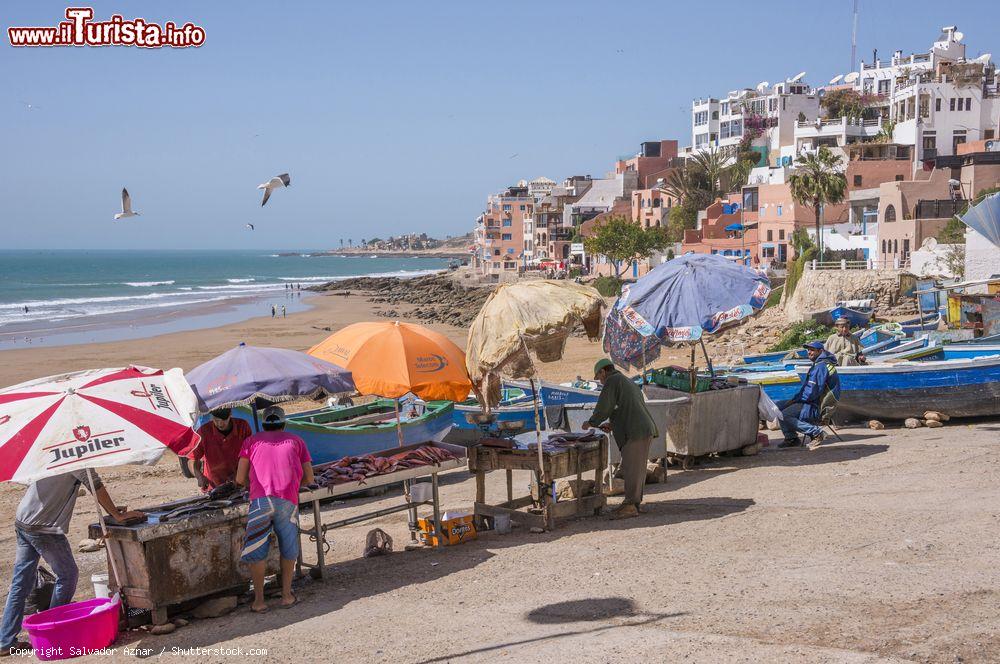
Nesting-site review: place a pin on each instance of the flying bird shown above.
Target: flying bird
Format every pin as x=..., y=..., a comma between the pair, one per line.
x=126, y=206
x=30, y=106
x=277, y=182
x=250, y=226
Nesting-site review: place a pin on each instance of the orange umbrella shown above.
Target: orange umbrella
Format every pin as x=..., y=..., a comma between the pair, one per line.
x=390, y=359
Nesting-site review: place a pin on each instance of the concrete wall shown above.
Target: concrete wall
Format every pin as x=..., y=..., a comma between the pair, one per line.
x=982, y=257
x=821, y=289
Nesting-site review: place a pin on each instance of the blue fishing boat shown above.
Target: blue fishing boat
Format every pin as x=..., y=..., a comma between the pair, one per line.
x=948, y=352
x=516, y=405
x=967, y=387
x=333, y=433
x=567, y=394
x=926, y=324
x=773, y=357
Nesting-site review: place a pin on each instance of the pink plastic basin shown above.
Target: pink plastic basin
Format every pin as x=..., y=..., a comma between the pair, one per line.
x=73, y=629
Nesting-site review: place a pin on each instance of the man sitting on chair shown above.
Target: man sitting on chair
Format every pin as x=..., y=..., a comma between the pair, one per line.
x=802, y=413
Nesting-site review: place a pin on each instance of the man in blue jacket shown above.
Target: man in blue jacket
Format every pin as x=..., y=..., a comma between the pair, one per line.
x=802, y=413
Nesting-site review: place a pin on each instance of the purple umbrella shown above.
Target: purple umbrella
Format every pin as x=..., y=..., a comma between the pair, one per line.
x=246, y=374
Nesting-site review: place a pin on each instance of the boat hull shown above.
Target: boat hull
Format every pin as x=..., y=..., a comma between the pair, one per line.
x=329, y=443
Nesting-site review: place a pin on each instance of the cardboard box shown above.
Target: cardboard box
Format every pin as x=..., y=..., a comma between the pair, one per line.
x=457, y=528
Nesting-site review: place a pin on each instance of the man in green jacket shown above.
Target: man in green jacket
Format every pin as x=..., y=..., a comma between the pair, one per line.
x=622, y=404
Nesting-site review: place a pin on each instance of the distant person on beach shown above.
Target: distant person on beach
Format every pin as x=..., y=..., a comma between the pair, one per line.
x=804, y=410
x=275, y=464
x=284, y=313
x=25, y=308
x=40, y=526
x=274, y=311
x=621, y=409
x=844, y=345
x=218, y=453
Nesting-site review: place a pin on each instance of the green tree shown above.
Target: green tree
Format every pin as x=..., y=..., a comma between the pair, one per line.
x=818, y=181
x=681, y=218
x=623, y=242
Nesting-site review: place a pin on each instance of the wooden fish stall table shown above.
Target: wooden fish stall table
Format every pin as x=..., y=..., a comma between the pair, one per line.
x=312, y=498
x=176, y=561
x=572, y=460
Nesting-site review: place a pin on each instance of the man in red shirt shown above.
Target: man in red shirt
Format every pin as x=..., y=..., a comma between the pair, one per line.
x=217, y=455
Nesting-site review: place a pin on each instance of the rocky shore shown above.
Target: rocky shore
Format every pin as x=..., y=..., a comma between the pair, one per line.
x=435, y=298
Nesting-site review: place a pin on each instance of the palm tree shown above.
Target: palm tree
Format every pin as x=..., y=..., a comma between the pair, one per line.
x=350, y=243
x=714, y=168
x=341, y=243
x=818, y=180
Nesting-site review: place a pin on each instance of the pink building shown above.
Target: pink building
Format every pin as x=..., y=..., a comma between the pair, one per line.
x=505, y=232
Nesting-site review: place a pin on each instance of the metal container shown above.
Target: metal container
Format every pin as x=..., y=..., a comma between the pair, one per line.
x=708, y=422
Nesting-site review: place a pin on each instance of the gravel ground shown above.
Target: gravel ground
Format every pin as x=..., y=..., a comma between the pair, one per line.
x=879, y=548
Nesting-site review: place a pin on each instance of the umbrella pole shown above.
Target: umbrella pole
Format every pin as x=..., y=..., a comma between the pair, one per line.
x=406, y=483
x=253, y=411
x=538, y=440
x=704, y=350
x=104, y=531
x=694, y=374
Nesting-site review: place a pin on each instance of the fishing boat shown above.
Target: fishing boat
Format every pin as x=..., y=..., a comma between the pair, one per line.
x=766, y=358
x=572, y=393
x=967, y=387
x=333, y=433
x=516, y=405
x=926, y=324
x=938, y=353
x=859, y=312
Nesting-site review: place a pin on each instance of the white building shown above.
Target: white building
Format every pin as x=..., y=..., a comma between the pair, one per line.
x=937, y=99
x=771, y=111
x=540, y=187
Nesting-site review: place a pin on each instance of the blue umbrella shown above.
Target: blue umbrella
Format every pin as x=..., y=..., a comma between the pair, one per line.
x=246, y=374
x=734, y=227
x=984, y=218
x=678, y=302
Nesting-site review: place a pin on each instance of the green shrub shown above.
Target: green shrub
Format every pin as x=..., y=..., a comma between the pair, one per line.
x=799, y=333
x=775, y=297
x=608, y=286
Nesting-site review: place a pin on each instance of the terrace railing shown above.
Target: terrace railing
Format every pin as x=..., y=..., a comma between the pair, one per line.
x=869, y=264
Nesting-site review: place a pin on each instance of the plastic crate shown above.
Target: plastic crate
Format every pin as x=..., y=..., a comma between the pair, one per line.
x=678, y=380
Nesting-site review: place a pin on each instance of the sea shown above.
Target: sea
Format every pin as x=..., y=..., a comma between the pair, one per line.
x=67, y=296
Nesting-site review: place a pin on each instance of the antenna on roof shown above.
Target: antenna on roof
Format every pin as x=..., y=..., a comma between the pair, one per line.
x=797, y=77
x=958, y=36
x=762, y=86
x=835, y=79
x=854, y=36
x=850, y=78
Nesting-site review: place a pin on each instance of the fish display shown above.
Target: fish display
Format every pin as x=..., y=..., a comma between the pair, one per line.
x=359, y=468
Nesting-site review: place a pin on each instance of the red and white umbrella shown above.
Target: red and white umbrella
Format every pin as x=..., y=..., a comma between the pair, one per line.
x=92, y=419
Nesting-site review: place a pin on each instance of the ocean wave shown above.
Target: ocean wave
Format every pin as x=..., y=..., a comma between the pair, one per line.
x=240, y=281
x=146, y=284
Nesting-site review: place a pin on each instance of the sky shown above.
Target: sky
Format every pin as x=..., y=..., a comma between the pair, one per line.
x=390, y=117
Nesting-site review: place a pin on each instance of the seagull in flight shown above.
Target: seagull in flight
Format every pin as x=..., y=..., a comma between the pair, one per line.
x=277, y=182
x=250, y=226
x=30, y=106
x=126, y=206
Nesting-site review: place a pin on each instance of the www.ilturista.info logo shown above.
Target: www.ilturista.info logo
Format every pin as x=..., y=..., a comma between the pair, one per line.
x=80, y=30
x=86, y=445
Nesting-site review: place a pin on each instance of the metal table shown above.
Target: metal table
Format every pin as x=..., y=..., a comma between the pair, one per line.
x=572, y=460
x=318, y=530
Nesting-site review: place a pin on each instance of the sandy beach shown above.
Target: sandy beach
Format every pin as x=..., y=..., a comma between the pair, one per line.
x=878, y=548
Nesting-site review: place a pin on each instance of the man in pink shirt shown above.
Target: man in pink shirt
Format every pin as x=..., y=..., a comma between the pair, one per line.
x=275, y=464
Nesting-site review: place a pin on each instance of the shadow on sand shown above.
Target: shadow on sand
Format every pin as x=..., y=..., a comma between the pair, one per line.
x=612, y=612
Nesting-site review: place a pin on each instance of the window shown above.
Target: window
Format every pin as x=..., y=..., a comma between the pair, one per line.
x=951, y=104
x=770, y=235
x=496, y=252
x=522, y=208
x=750, y=200
x=700, y=118
x=701, y=140
x=506, y=207
x=505, y=236
x=895, y=246
x=779, y=214
x=725, y=108
x=510, y=250
x=937, y=104
x=857, y=180
x=890, y=213
x=968, y=103
x=781, y=233
x=883, y=86
x=715, y=115
x=899, y=178
x=656, y=202
x=883, y=246
x=507, y=222
x=772, y=104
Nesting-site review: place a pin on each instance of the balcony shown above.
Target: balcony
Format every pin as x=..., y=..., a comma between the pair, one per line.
x=939, y=209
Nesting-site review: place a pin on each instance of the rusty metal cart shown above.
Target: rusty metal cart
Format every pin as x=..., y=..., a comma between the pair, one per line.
x=573, y=460
x=163, y=564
